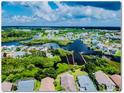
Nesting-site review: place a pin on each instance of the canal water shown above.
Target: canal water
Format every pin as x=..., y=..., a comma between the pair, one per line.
x=15, y=43
x=79, y=47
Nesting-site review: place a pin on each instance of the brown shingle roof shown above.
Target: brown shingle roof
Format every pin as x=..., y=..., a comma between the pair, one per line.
x=47, y=84
x=117, y=80
x=6, y=86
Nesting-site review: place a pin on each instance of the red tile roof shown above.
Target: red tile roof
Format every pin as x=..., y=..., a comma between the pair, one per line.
x=117, y=80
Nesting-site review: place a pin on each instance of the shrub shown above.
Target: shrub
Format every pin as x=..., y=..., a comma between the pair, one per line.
x=51, y=72
x=62, y=67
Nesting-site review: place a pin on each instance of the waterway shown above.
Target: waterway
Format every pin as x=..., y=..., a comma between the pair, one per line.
x=15, y=43
x=77, y=47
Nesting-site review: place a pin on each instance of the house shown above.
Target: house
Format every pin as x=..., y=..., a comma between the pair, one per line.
x=38, y=36
x=117, y=80
x=47, y=84
x=100, y=45
x=25, y=86
x=67, y=82
x=49, y=55
x=7, y=86
x=18, y=54
x=86, y=84
x=6, y=54
x=51, y=45
x=103, y=79
x=27, y=30
x=94, y=41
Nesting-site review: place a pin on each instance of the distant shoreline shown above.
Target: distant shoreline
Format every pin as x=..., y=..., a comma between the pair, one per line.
x=81, y=27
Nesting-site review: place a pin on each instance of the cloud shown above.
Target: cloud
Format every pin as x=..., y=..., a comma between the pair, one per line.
x=88, y=11
x=22, y=19
x=65, y=13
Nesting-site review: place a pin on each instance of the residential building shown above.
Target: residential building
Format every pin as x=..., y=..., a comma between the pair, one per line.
x=47, y=84
x=7, y=86
x=117, y=80
x=18, y=54
x=25, y=86
x=103, y=79
x=86, y=84
x=67, y=82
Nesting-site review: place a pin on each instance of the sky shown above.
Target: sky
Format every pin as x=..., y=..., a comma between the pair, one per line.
x=66, y=13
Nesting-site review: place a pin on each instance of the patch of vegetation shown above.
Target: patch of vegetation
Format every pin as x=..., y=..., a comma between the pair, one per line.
x=13, y=35
x=43, y=41
x=118, y=53
x=36, y=85
x=78, y=72
x=33, y=65
x=108, y=66
x=57, y=84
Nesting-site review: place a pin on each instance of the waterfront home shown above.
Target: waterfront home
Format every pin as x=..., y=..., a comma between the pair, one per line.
x=83, y=34
x=52, y=31
x=18, y=54
x=67, y=82
x=48, y=31
x=43, y=49
x=51, y=45
x=24, y=48
x=49, y=55
x=112, y=51
x=100, y=45
x=8, y=48
x=107, y=35
x=103, y=79
x=7, y=54
x=25, y=86
x=117, y=80
x=24, y=30
x=50, y=36
x=37, y=36
x=85, y=83
x=105, y=49
x=61, y=38
x=33, y=48
x=55, y=31
x=7, y=86
x=47, y=84
x=94, y=41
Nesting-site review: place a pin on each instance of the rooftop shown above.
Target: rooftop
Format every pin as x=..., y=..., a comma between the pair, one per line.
x=67, y=82
x=85, y=83
x=47, y=84
x=117, y=80
x=6, y=86
x=25, y=86
x=102, y=78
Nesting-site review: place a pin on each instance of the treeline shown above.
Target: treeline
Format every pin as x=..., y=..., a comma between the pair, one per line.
x=43, y=41
x=13, y=35
x=95, y=63
x=35, y=65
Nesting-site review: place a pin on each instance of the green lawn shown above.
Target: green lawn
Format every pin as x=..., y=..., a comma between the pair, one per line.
x=78, y=72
